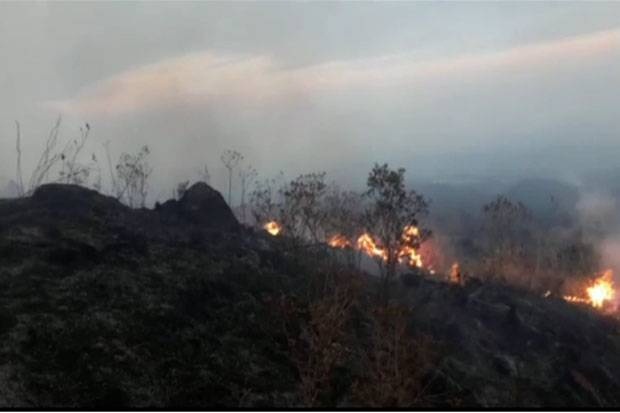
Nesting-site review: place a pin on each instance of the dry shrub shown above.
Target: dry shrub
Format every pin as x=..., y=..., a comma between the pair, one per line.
x=348, y=348
x=317, y=333
x=323, y=344
x=396, y=363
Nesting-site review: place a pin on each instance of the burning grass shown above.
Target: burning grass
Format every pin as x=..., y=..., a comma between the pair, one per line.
x=339, y=241
x=273, y=228
x=370, y=245
x=599, y=293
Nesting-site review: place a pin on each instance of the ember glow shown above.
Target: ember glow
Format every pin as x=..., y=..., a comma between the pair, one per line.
x=273, y=228
x=598, y=293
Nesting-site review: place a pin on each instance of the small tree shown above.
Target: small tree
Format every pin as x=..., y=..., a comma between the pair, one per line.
x=506, y=232
x=344, y=210
x=344, y=218
x=302, y=211
x=263, y=202
x=392, y=209
x=72, y=171
x=395, y=362
x=230, y=159
x=133, y=172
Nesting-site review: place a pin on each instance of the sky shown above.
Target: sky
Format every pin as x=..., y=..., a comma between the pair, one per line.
x=449, y=90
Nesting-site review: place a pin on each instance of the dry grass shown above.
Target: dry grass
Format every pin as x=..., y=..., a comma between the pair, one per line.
x=396, y=363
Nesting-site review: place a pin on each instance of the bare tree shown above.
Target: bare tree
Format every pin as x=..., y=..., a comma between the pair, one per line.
x=247, y=175
x=266, y=199
x=114, y=184
x=204, y=175
x=95, y=167
x=19, y=174
x=49, y=157
x=133, y=173
x=263, y=201
x=72, y=171
x=230, y=159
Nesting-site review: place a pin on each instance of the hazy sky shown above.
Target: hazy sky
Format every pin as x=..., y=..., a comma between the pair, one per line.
x=445, y=89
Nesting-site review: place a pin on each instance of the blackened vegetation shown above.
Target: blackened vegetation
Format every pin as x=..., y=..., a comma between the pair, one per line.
x=104, y=306
x=511, y=348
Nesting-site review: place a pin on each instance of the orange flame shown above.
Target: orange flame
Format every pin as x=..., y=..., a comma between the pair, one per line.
x=414, y=259
x=598, y=293
x=273, y=228
x=410, y=232
x=602, y=290
x=455, y=274
x=406, y=254
x=339, y=241
x=575, y=299
x=366, y=244
x=411, y=256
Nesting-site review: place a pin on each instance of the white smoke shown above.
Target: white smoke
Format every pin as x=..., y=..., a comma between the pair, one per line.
x=599, y=213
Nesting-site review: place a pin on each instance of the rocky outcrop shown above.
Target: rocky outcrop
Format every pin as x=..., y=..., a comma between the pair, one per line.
x=105, y=306
x=200, y=211
x=201, y=207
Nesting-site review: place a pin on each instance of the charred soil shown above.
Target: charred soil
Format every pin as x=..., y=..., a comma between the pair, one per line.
x=103, y=306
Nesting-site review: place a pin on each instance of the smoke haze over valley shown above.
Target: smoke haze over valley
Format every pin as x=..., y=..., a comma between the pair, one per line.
x=324, y=204
x=450, y=91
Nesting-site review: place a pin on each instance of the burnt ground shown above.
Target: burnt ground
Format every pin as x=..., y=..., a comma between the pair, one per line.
x=102, y=306
x=506, y=347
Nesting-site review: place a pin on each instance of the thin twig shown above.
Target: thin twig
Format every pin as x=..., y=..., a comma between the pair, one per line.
x=20, y=177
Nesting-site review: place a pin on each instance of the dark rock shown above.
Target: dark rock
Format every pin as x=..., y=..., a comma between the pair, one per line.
x=505, y=365
x=410, y=279
x=585, y=384
x=201, y=206
x=512, y=317
x=195, y=219
x=437, y=382
x=72, y=199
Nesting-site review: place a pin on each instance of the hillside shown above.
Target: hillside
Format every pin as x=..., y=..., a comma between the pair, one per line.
x=102, y=306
